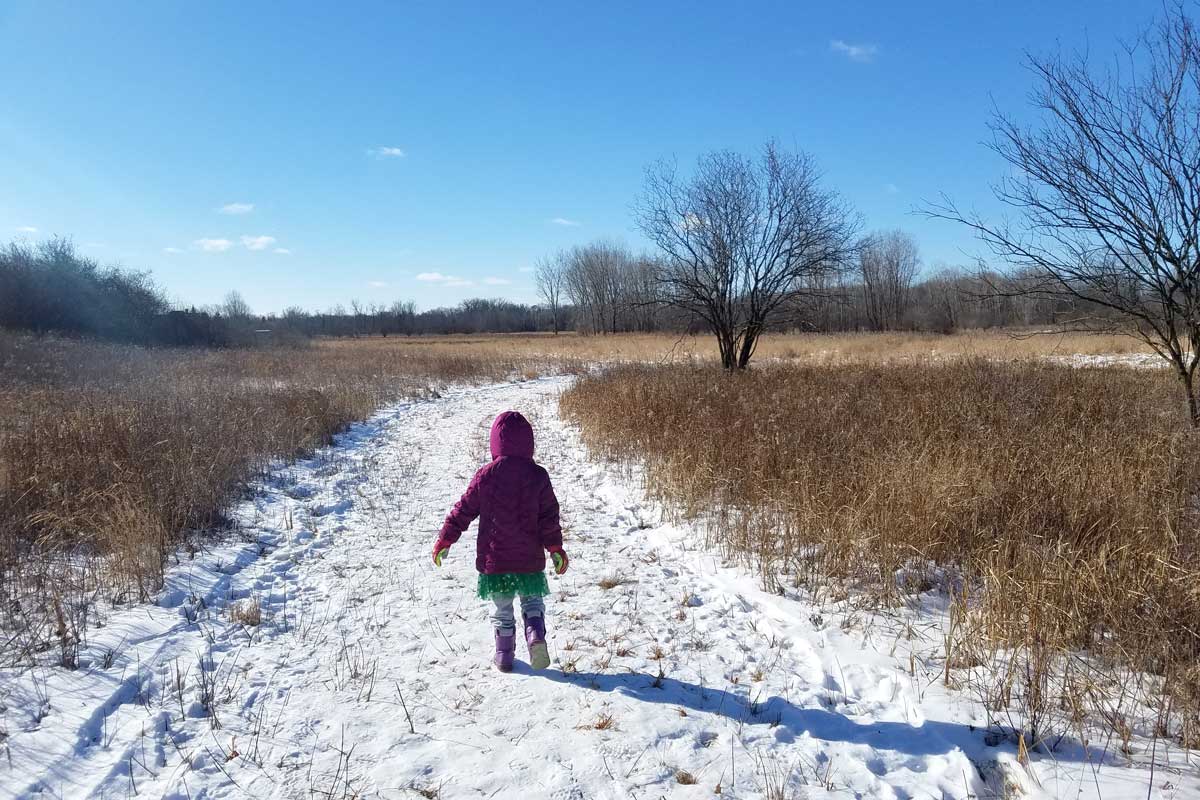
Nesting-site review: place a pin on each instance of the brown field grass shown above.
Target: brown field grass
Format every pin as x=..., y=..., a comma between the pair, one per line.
x=1056, y=505
x=804, y=347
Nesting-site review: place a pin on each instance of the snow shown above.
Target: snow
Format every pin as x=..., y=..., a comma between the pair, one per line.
x=369, y=674
x=1131, y=360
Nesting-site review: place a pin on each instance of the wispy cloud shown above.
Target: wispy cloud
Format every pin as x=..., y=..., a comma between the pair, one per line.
x=862, y=53
x=442, y=279
x=213, y=245
x=236, y=208
x=258, y=242
x=377, y=284
x=497, y=281
x=568, y=223
x=95, y=245
x=283, y=251
x=27, y=229
x=387, y=152
x=172, y=250
x=891, y=188
x=524, y=269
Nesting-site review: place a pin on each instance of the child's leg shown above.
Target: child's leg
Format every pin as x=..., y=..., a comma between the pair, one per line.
x=534, y=611
x=504, y=624
x=504, y=620
x=533, y=607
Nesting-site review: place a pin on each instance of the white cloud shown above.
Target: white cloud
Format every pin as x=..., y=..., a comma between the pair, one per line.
x=258, y=242
x=855, y=52
x=387, y=152
x=377, y=284
x=213, y=245
x=891, y=188
x=95, y=245
x=172, y=250
x=27, y=229
x=283, y=251
x=569, y=223
x=236, y=208
x=441, y=279
x=524, y=269
x=497, y=281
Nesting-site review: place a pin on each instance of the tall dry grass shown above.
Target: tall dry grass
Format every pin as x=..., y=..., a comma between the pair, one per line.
x=1057, y=506
x=111, y=456
x=809, y=348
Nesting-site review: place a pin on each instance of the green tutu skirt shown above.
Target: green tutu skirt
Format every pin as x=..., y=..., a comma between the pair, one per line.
x=513, y=584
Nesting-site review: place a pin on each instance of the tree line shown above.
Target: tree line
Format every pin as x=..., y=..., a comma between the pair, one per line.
x=599, y=288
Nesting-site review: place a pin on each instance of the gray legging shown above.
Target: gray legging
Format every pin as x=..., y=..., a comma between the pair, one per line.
x=503, y=618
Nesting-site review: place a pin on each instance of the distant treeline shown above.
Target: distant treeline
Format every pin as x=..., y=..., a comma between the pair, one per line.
x=601, y=288
x=49, y=288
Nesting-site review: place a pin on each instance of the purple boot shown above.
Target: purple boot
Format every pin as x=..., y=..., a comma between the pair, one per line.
x=535, y=637
x=506, y=648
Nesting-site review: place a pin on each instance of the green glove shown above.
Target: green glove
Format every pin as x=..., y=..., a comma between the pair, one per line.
x=438, y=555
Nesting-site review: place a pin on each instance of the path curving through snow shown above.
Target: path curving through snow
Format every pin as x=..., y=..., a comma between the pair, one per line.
x=369, y=674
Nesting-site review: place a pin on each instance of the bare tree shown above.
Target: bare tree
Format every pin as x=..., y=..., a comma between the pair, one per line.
x=550, y=276
x=941, y=301
x=403, y=312
x=887, y=264
x=742, y=237
x=640, y=295
x=235, y=307
x=1108, y=193
x=593, y=280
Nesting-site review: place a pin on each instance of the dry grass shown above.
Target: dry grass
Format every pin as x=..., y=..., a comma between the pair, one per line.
x=110, y=455
x=1058, y=505
x=605, y=722
x=613, y=581
x=247, y=612
x=578, y=351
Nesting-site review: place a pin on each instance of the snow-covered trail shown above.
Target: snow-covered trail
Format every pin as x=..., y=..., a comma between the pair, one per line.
x=369, y=674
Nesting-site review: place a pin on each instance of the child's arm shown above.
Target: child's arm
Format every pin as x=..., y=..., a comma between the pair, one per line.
x=458, y=520
x=550, y=528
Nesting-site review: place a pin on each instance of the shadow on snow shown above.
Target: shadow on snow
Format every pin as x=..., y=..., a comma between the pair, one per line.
x=925, y=739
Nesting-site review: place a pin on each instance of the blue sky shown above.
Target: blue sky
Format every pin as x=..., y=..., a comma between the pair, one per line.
x=311, y=154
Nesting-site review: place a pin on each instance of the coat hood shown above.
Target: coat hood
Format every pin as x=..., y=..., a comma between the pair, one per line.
x=512, y=435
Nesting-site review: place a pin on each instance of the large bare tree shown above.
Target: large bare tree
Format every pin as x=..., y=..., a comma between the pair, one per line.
x=741, y=237
x=550, y=277
x=1106, y=186
x=887, y=264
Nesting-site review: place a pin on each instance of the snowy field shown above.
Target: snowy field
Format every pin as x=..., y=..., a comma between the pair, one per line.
x=367, y=672
x=1132, y=360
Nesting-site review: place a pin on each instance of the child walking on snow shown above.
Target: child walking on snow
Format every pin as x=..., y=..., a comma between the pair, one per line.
x=518, y=519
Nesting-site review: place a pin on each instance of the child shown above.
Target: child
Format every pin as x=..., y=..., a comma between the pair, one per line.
x=518, y=519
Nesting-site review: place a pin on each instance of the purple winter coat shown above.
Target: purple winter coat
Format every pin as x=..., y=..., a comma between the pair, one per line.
x=515, y=503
